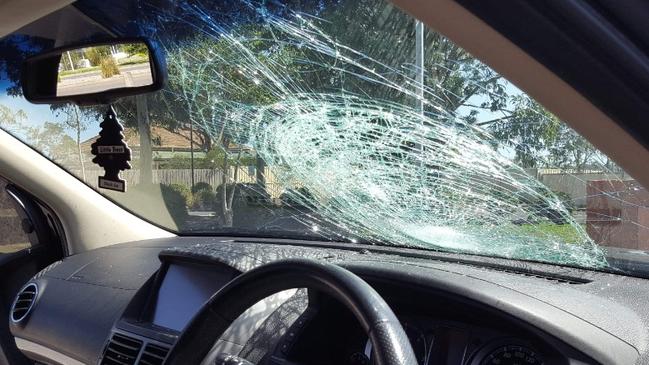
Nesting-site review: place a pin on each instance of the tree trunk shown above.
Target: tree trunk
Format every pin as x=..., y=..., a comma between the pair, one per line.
x=260, y=166
x=144, y=129
x=228, y=218
x=78, y=121
x=234, y=182
x=227, y=213
x=83, y=167
x=228, y=196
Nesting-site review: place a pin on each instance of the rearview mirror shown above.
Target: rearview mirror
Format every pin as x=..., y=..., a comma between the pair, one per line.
x=94, y=73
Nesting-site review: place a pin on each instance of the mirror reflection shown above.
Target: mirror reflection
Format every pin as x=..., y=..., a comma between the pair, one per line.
x=100, y=68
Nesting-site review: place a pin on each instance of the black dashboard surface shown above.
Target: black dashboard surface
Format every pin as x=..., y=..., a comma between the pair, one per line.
x=571, y=311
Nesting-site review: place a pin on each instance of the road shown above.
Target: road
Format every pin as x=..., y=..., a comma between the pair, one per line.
x=92, y=82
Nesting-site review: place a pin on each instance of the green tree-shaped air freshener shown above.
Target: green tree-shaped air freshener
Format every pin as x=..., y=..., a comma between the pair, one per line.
x=111, y=152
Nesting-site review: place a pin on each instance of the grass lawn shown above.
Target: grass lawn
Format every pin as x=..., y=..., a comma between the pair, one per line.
x=133, y=60
x=565, y=232
x=78, y=71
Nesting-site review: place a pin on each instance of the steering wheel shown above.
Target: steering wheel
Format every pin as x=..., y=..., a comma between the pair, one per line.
x=390, y=345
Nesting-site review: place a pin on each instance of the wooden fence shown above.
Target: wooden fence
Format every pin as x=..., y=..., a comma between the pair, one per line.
x=573, y=184
x=184, y=176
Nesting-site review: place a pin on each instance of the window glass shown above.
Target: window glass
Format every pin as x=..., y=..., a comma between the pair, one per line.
x=12, y=236
x=339, y=119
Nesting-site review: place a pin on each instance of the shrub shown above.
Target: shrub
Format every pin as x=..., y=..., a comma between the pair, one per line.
x=204, y=199
x=247, y=193
x=201, y=186
x=109, y=67
x=567, y=200
x=184, y=191
x=298, y=198
x=97, y=54
x=543, y=206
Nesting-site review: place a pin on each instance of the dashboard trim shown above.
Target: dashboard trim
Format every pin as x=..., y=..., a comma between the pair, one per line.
x=115, y=283
x=39, y=352
x=528, y=311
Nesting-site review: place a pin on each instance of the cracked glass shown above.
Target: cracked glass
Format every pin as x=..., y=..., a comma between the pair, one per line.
x=348, y=121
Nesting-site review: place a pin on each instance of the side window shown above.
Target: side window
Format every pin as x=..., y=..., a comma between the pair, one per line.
x=12, y=236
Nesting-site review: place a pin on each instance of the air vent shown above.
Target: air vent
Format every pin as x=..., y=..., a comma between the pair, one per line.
x=24, y=303
x=153, y=355
x=121, y=350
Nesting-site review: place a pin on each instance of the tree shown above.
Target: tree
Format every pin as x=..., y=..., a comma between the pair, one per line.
x=382, y=37
x=571, y=151
x=50, y=139
x=539, y=138
x=135, y=49
x=12, y=121
x=76, y=118
x=206, y=76
x=233, y=58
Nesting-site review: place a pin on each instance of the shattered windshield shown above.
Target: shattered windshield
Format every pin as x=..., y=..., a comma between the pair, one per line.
x=342, y=120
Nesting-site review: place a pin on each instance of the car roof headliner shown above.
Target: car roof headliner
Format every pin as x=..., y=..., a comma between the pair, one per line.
x=15, y=14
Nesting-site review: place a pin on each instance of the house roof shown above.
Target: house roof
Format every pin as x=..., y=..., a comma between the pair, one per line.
x=161, y=137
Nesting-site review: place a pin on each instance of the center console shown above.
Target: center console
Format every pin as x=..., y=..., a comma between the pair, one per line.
x=161, y=309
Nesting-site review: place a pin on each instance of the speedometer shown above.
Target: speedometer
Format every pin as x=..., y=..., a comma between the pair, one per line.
x=509, y=355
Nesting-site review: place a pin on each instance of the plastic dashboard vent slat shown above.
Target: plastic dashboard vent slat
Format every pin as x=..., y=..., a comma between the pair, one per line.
x=23, y=303
x=121, y=350
x=153, y=355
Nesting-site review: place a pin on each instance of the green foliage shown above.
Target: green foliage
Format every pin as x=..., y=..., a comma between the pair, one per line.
x=211, y=161
x=298, y=198
x=109, y=67
x=175, y=163
x=528, y=130
x=201, y=185
x=245, y=193
x=135, y=48
x=183, y=191
x=12, y=121
x=563, y=232
x=74, y=117
x=76, y=72
x=214, y=159
x=550, y=204
x=204, y=199
x=97, y=54
x=74, y=56
x=386, y=34
x=570, y=150
x=566, y=200
x=49, y=138
x=534, y=133
x=200, y=78
x=204, y=196
x=457, y=81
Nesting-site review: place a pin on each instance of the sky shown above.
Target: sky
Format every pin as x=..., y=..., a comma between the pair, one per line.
x=38, y=114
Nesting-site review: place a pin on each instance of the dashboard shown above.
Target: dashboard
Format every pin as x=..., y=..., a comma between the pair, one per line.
x=183, y=290
x=127, y=304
